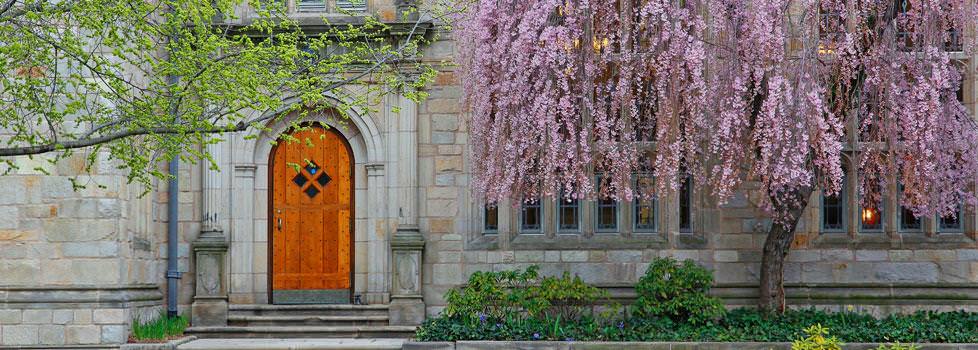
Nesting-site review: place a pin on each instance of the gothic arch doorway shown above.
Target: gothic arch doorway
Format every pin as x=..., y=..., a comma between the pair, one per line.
x=311, y=218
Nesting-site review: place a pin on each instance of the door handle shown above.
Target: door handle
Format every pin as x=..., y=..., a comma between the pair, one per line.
x=280, y=224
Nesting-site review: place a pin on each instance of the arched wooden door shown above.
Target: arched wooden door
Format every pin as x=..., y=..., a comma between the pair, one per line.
x=311, y=219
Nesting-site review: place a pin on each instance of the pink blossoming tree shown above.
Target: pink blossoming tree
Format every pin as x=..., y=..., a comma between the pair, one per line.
x=772, y=91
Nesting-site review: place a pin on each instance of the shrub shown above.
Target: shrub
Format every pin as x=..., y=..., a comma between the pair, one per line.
x=678, y=292
x=522, y=293
x=161, y=328
x=817, y=339
x=898, y=346
x=519, y=304
x=493, y=294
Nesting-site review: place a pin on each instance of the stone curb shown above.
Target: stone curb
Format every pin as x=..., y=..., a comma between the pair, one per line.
x=170, y=345
x=541, y=345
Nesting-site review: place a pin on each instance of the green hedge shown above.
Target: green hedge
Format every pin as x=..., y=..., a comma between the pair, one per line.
x=672, y=305
x=738, y=325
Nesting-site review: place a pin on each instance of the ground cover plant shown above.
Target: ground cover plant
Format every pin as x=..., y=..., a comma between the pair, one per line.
x=672, y=305
x=161, y=328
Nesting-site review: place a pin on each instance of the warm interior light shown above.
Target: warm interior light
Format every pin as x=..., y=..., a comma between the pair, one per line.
x=869, y=216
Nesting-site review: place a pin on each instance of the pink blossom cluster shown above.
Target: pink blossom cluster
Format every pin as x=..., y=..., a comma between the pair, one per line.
x=781, y=92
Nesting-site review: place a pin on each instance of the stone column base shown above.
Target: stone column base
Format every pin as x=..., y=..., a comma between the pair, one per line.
x=407, y=311
x=210, y=312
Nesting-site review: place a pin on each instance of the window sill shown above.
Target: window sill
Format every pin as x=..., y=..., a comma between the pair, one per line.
x=597, y=241
x=903, y=240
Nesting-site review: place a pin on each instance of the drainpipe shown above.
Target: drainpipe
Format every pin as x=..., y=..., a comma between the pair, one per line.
x=173, y=208
x=173, y=216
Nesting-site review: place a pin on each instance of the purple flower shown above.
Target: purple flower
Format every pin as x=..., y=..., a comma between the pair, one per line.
x=536, y=336
x=569, y=339
x=482, y=317
x=621, y=325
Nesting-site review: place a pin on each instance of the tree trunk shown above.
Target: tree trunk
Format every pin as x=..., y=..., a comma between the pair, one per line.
x=776, y=248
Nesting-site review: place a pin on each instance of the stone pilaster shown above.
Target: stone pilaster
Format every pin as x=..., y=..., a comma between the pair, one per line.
x=210, y=307
x=407, y=306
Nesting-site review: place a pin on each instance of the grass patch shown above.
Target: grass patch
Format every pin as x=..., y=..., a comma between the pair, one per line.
x=162, y=328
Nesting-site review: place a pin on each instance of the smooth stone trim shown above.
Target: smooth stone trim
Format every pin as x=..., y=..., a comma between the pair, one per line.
x=170, y=345
x=548, y=345
x=74, y=297
x=835, y=294
x=311, y=296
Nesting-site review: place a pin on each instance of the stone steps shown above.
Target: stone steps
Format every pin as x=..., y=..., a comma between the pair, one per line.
x=307, y=310
x=307, y=320
x=281, y=332
x=292, y=344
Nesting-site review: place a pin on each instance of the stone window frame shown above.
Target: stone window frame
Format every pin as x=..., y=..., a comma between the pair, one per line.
x=901, y=212
x=561, y=203
x=296, y=7
x=930, y=234
x=597, y=214
x=484, y=219
x=844, y=197
x=541, y=206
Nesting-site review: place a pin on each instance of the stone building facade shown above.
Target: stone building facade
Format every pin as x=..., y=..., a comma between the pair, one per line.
x=78, y=266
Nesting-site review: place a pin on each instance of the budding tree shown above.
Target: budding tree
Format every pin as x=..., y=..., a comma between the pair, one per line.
x=145, y=81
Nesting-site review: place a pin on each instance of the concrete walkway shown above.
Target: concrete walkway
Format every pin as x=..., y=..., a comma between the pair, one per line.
x=293, y=344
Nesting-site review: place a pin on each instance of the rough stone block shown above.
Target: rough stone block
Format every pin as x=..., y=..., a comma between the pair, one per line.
x=725, y=256
x=604, y=272
x=552, y=256
x=625, y=256
x=40, y=316
x=445, y=180
x=51, y=335
x=529, y=256
x=442, y=208
x=90, y=249
x=444, y=122
x=442, y=137
x=19, y=271
x=955, y=272
x=9, y=218
x=443, y=106
x=968, y=254
x=10, y=317
x=95, y=271
x=803, y=255
x=442, y=192
x=83, y=335
x=61, y=316
x=115, y=334
x=934, y=255
x=901, y=255
x=109, y=316
x=20, y=335
x=573, y=256
x=837, y=255
x=448, y=164
x=449, y=257
x=446, y=274
x=872, y=255
x=82, y=317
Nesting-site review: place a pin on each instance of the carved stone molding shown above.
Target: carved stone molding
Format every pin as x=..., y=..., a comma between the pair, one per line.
x=210, y=306
x=407, y=306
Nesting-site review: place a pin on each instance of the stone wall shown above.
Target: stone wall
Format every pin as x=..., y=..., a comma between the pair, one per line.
x=77, y=265
x=881, y=272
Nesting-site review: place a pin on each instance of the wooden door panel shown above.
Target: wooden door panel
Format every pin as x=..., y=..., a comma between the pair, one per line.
x=311, y=251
